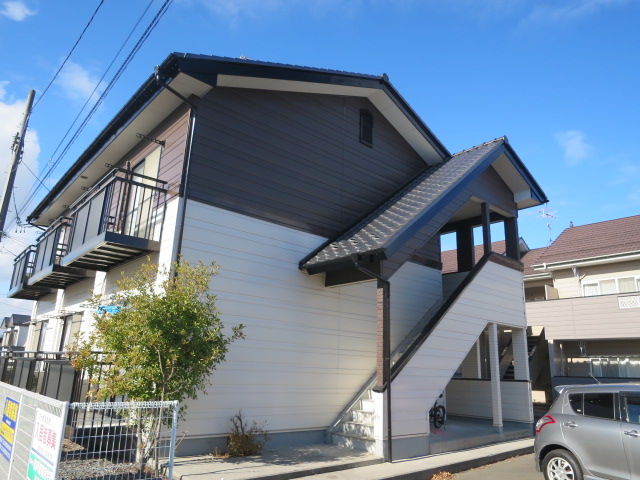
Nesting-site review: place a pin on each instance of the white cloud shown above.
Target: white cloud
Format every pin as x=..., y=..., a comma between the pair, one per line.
x=16, y=10
x=574, y=145
x=557, y=12
x=77, y=83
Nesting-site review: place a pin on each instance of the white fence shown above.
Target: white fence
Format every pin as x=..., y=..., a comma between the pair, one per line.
x=45, y=439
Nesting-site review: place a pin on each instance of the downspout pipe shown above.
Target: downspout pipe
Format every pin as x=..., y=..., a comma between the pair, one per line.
x=384, y=383
x=184, y=185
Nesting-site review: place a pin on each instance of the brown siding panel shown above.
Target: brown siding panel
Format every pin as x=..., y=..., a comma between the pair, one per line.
x=295, y=159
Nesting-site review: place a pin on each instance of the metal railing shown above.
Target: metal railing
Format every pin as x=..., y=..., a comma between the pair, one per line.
x=122, y=202
x=51, y=245
x=22, y=267
x=49, y=373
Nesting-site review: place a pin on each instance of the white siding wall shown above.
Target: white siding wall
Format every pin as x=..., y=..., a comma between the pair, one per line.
x=495, y=295
x=566, y=283
x=308, y=349
x=473, y=398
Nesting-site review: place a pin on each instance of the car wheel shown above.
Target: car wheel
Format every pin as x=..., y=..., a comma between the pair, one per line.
x=561, y=465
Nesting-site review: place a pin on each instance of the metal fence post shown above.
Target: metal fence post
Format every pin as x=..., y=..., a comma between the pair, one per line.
x=172, y=445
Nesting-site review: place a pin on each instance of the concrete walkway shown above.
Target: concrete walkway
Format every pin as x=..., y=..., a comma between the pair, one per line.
x=326, y=462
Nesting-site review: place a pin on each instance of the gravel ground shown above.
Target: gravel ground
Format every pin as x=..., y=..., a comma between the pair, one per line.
x=100, y=469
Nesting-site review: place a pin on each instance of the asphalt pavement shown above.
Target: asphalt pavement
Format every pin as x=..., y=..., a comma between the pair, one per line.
x=520, y=468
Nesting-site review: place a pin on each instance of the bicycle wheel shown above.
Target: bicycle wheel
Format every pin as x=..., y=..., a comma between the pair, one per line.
x=438, y=416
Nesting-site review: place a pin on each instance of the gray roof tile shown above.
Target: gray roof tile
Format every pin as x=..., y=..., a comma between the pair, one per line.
x=379, y=229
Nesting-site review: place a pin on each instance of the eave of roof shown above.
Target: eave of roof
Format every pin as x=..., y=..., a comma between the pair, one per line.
x=384, y=230
x=211, y=71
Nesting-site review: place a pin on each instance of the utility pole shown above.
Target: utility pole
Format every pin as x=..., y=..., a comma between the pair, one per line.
x=18, y=146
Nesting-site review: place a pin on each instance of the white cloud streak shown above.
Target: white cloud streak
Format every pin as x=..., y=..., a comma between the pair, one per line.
x=78, y=83
x=16, y=10
x=566, y=11
x=574, y=145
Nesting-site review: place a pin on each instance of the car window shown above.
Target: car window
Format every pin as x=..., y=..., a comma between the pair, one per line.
x=632, y=408
x=575, y=400
x=599, y=405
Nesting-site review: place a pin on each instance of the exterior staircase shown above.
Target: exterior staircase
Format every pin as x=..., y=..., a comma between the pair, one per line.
x=354, y=427
x=533, y=342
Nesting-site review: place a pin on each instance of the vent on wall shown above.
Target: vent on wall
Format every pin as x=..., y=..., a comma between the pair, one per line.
x=366, y=128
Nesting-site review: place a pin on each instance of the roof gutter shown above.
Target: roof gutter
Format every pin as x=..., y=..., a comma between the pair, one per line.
x=619, y=257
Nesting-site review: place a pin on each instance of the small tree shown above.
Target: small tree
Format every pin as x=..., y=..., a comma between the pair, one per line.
x=162, y=344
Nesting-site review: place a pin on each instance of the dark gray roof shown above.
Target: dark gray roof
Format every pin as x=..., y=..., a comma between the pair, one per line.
x=408, y=207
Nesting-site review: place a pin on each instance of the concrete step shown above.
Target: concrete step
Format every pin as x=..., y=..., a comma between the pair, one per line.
x=357, y=428
x=367, y=404
x=361, y=416
x=355, y=442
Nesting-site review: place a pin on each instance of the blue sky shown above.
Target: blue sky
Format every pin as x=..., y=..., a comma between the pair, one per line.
x=559, y=78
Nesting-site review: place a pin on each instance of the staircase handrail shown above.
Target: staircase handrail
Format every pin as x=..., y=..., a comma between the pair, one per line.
x=446, y=306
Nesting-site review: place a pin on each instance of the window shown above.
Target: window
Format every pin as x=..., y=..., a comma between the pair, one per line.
x=575, y=400
x=366, y=127
x=631, y=404
x=627, y=284
x=599, y=405
x=611, y=286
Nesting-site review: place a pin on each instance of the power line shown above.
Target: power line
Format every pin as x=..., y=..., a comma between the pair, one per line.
x=36, y=188
x=70, y=52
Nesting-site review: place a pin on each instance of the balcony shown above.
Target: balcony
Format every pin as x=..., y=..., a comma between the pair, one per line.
x=22, y=271
x=47, y=373
x=583, y=318
x=51, y=247
x=118, y=219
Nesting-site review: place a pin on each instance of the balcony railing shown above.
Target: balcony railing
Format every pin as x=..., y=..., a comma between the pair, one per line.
x=47, y=373
x=23, y=267
x=120, y=218
x=50, y=249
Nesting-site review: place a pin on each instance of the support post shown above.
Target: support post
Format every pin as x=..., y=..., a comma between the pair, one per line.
x=512, y=239
x=465, y=249
x=486, y=227
x=383, y=357
x=494, y=365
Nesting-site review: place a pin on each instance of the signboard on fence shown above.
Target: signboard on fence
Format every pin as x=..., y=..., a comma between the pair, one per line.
x=45, y=446
x=8, y=427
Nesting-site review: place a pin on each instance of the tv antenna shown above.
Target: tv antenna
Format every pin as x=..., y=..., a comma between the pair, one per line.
x=547, y=214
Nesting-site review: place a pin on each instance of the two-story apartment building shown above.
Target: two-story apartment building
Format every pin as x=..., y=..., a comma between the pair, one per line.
x=584, y=292
x=322, y=195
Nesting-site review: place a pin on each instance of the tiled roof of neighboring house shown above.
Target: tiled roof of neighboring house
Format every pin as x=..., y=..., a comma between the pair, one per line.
x=612, y=237
x=532, y=257
x=449, y=258
x=379, y=229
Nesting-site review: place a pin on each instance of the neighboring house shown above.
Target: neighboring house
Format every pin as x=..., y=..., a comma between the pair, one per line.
x=323, y=196
x=14, y=332
x=583, y=292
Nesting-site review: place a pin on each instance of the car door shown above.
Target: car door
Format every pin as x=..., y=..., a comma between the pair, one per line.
x=630, y=429
x=593, y=432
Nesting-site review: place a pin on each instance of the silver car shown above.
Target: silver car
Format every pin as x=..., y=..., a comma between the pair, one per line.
x=591, y=432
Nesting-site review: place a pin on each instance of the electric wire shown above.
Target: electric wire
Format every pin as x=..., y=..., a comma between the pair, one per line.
x=36, y=188
x=156, y=19
x=68, y=55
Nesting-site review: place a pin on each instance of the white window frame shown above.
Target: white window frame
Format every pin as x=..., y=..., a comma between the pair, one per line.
x=617, y=280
